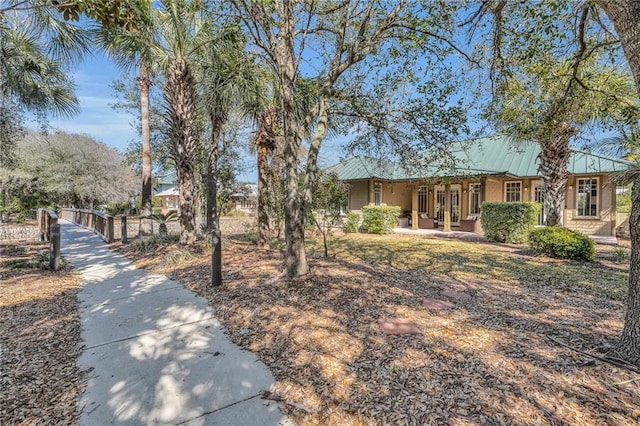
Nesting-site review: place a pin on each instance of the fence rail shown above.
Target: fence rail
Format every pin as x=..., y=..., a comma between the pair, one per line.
x=97, y=221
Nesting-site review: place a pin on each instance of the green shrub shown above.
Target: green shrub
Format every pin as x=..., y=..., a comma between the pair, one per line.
x=562, y=243
x=380, y=219
x=508, y=222
x=352, y=223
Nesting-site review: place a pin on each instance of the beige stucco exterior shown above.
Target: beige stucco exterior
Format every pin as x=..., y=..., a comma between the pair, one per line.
x=404, y=194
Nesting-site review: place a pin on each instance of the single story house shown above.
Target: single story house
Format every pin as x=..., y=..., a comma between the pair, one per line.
x=245, y=197
x=486, y=169
x=170, y=200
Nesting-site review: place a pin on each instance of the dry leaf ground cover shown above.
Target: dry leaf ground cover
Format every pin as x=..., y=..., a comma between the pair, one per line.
x=39, y=335
x=486, y=360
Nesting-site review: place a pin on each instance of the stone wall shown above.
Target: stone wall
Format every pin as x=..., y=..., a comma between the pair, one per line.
x=19, y=233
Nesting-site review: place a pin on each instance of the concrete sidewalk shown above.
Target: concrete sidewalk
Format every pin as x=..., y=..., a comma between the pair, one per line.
x=156, y=352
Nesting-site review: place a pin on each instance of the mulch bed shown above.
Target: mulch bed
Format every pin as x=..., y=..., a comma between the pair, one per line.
x=481, y=355
x=39, y=335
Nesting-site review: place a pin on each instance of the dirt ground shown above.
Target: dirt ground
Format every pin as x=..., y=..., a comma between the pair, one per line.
x=39, y=335
x=489, y=324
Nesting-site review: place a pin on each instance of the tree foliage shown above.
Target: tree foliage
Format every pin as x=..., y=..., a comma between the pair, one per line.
x=64, y=169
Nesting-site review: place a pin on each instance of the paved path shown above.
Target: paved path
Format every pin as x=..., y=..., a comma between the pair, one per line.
x=157, y=353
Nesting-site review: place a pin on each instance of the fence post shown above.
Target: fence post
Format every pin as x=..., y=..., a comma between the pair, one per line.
x=47, y=225
x=123, y=229
x=41, y=223
x=54, y=247
x=109, y=232
x=216, y=258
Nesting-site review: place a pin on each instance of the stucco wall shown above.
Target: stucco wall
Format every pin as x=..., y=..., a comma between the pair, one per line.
x=358, y=194
x=400, y=194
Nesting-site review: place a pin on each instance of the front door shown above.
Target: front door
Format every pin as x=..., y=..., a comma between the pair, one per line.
x=439, y=197
x=538, y=197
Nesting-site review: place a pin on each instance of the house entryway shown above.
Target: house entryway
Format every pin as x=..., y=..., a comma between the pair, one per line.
x=439, y=195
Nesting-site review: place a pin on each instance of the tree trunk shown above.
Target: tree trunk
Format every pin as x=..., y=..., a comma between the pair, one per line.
x=295, y=256
x=264, y=232
x=554, y=159
x=265, y=144
x=629, y=345
x=146, y=224
x=180, y=97
x=625, y=15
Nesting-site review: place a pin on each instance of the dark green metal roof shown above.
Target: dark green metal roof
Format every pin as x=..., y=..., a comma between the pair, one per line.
x=496, y=155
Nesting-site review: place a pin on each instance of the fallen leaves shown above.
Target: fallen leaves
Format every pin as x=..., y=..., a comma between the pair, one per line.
x=483, y=359
x=39, y=335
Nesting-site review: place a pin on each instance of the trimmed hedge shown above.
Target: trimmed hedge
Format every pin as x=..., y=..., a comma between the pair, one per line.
x=380, y=219
x=508, y=222
x=562, y=243
x=351, y=223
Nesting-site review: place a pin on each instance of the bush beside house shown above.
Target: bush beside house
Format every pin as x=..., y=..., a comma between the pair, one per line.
x=562, y=243
x=509, y=222
x=380, y=219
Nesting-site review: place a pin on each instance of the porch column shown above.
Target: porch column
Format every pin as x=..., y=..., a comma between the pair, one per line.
x=414, y=207
x=447, y=208
x=371, y=192
x=483, y=191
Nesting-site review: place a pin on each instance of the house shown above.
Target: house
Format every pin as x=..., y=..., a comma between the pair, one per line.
x=165, y=182
x=486, y=169
x=170, y=200
x=245, y=197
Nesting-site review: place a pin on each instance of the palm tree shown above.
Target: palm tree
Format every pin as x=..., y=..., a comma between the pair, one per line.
x=266, y=141
x=228, y=81
x=129, y=47
x=183, y=34
x=543, y=103
x=34, y=49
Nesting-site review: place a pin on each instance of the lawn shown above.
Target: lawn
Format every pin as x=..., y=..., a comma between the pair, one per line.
x=485, y=316
x=39, y=335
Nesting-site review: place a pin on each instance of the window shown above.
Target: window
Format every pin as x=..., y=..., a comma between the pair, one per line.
x=423, y=197
x=587, y=197
x=512, y=191
x=475, y=195
x=377, y=194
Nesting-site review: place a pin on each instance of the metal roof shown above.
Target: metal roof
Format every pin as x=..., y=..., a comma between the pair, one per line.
x=496, y=155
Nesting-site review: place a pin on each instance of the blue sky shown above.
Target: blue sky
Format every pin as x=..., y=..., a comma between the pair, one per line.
x=97, y=119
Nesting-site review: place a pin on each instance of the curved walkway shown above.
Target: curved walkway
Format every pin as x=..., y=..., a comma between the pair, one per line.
x=155, y=351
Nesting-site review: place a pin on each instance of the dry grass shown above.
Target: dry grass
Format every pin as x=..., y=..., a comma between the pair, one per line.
x=487, y=361
x=39, y=335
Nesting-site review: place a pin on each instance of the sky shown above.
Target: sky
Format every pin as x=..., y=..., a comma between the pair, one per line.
x=97, y=119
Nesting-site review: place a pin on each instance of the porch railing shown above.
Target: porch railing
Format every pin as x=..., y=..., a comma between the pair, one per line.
x=97, y=221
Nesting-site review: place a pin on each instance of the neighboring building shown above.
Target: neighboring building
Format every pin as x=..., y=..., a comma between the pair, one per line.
x=165, y=182
x=245, y=197
x=487, y=169
x=170, y=200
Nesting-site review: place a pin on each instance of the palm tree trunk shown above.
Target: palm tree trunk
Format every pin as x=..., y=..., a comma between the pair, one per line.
x=554, y=159
x=265, y=144
x=180, y=97
x=146, y=224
